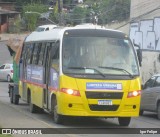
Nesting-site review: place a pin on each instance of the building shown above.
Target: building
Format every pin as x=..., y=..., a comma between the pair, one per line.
x=145, y=31
x=7, y=12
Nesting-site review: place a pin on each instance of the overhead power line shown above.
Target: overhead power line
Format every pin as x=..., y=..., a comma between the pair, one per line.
x=140, y=16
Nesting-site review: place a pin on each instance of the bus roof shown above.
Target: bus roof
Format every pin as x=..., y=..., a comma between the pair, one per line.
x=57, y=33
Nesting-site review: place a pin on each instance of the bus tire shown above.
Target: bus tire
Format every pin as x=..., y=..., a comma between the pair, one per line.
x=124, y=121
x=58, y=119
x=16, y=99
x=141, y=112
x=158, y=111
x=32, y=107
x=11, y=94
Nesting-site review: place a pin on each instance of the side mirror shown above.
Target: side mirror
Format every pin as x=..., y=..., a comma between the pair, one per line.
x=139, y=54
x=142, y=86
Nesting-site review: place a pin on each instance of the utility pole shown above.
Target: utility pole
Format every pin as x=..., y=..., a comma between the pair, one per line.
x=60, y=6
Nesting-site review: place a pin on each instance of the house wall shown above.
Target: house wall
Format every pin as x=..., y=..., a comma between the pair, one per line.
x=7, y=9
x=4, y=28
x=3, y=23
x=7, y=5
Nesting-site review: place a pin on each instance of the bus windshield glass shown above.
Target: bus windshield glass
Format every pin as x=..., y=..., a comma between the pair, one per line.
x=98, y=56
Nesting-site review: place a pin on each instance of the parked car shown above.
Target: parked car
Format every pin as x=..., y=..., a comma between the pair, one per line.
x=150, y=98
x=6, y=72
x=45, y=28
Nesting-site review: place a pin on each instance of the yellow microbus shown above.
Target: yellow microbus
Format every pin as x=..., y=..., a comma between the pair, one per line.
x=81, y=71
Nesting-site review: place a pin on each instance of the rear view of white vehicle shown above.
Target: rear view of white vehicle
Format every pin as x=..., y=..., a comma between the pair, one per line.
x=6, y=72
x=45, y=28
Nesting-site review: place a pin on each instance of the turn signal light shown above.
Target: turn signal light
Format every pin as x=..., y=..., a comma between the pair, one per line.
x=70, y=91
x=133, y=94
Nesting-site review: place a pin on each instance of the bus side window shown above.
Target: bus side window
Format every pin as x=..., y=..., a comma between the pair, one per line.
x=29, y=53
x=36, y=53
x=24, y=54
x=41, y=54
x=55, y=56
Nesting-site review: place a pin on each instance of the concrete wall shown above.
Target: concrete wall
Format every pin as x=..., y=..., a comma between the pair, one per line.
x=140, y=7
x=122, y=26
x=145, y=31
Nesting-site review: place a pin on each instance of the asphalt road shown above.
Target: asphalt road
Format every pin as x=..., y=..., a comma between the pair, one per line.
x=18, y=116
x=4, y=54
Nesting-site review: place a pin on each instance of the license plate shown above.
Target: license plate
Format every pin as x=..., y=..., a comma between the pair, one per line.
x=104, y=102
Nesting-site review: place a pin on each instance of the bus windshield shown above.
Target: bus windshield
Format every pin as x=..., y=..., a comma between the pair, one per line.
x=98, y=56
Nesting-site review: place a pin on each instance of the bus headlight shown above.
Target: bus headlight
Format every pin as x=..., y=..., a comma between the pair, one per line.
x=133, y=94
x=70, y=91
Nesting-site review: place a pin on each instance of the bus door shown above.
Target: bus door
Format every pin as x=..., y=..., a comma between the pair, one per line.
x=46, y=73
x=52, y=51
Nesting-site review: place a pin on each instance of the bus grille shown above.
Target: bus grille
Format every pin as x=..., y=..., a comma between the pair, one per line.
x=103, y=107
x=104, y=95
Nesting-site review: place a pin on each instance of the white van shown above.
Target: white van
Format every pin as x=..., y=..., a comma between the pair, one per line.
x=45, y=28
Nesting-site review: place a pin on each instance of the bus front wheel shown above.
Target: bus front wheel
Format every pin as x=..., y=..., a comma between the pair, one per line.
x=58, y=119
x=124, y=121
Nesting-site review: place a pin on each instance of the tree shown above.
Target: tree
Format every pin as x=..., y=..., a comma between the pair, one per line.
x=55, y=14
x=115, y=10
x=79, y=15
x=35, y=12
x=109, y=10
x=21, y=3
x=8, y=0
x=105, y=11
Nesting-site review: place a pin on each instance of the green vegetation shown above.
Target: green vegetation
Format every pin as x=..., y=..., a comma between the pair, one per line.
x=106, y=11
x=31, y=13
x=5, y=135
x=55, y=14
x=91, y=11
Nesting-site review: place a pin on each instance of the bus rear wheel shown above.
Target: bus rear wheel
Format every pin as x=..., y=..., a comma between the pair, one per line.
x=11, y=94
x=158, y=111
x=32, y=107
x=15, y=99
x=58, y=119
x=124, y=121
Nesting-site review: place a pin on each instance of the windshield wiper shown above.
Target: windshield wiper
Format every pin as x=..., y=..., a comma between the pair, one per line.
x=119, y=69
x=88, y=68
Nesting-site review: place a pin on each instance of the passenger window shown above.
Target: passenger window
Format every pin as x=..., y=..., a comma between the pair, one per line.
x=157, y=82
x=24, y=50
x=41, y=54
x=55, y=56
x=29, y=54
x=47, y=29
x=55, y=51
x=36, y=53
x=149, y=83
x=7, y=67
x=25, y=54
